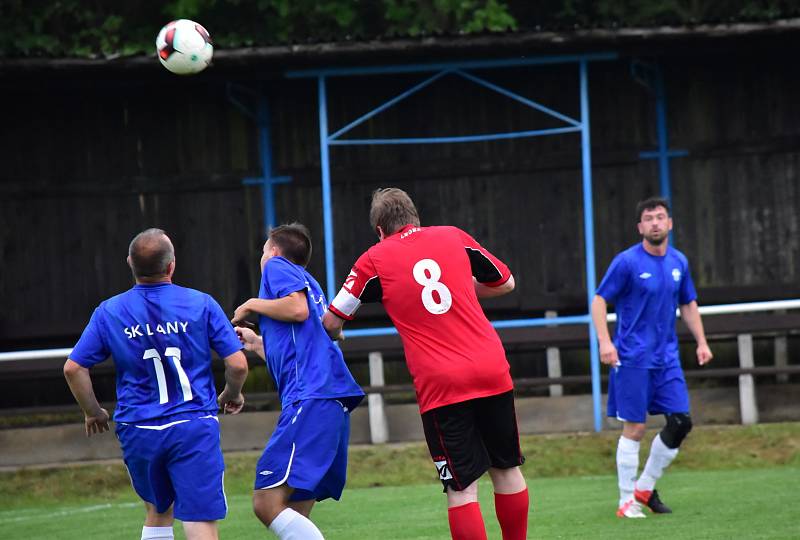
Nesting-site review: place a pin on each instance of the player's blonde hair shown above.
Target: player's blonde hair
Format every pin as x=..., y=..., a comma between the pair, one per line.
x=391, y=209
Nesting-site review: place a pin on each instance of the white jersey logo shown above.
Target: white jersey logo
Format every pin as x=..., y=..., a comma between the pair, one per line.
x=265, y=473
x=443, y=470
x=676, y=274
x=645, y=275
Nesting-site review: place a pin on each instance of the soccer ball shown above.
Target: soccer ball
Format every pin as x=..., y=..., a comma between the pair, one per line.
x=184, y=47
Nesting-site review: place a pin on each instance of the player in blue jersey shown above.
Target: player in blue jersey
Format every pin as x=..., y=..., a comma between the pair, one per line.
x=647, y=283
x=160, y=336
x=305, y=459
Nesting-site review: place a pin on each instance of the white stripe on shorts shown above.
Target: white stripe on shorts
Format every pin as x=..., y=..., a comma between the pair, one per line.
x=288, y=468
x=165, y=426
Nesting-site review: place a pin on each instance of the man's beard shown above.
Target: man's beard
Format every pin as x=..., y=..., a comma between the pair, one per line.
x=655, y=241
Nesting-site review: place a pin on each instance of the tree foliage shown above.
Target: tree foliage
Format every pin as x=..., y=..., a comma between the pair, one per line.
x=625, y=13
x=107, y=28
x=96, y=28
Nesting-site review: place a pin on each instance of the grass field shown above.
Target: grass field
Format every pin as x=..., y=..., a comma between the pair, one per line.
x=728, y=483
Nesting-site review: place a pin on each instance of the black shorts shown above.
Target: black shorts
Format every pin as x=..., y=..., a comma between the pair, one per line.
x=466, y=439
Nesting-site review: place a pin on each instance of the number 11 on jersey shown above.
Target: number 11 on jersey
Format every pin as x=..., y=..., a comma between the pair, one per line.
x=175, y=354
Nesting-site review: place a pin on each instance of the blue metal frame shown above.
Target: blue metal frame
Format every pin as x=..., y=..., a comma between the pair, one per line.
x=458, y=68
x=267, y=180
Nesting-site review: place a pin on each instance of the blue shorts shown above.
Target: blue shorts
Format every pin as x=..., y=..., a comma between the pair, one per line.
x=307, y=451
x=635, y=392
x=177, y=459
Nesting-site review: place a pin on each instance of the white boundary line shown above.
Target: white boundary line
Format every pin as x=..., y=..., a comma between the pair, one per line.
x=67, y=512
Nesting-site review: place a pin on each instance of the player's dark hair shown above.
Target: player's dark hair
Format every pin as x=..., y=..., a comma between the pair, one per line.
x=651, y=204
x=294, y=241
x=391, y=209
x=150, y=253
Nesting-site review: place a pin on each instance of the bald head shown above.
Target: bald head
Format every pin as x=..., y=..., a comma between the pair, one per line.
x=150, y=255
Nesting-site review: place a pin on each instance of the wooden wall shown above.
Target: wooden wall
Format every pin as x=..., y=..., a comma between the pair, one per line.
x=86, y=164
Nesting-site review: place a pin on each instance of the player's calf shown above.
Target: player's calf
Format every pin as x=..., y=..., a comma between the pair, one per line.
x=663, y=451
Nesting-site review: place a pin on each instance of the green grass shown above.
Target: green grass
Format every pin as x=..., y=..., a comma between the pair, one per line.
x=754, y=503
x=727, y=483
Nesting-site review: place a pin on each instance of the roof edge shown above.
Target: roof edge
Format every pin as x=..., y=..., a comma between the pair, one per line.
x=634, y=40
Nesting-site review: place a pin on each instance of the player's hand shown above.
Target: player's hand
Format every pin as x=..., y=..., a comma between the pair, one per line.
x=240, y=314
x=97, y=423
x=250, y=340
x=230, y=404
x=704, y=354
x=608, y=353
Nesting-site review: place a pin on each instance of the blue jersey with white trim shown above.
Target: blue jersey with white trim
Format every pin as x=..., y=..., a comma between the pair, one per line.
x=160, y=337
x=646, y=290
x=302, y=359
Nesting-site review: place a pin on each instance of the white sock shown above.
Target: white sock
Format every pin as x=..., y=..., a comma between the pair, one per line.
x=157, y=533
x=290, y=525
x=627, y=468
x=660, y=458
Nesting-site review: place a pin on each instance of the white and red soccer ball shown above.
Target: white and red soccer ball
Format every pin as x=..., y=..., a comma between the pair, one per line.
x=184, y=47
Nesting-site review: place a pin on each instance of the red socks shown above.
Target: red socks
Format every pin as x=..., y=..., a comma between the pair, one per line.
x=512, y=513
x=466, y=522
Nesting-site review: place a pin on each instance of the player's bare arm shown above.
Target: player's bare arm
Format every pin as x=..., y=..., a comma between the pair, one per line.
x=80, y=383
x=333, y=325
x=691, y=317
x=484, y=291
x=290, y=308
x=231, y=399
x=608, y=352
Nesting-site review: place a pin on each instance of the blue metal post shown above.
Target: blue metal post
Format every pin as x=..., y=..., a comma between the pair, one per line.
x=661, y=129
x=267, y=181
x=265, y=152
x=327, y=209
x=588, y=228
x=652, y=78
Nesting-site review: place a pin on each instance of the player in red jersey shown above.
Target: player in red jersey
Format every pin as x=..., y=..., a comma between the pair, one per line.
x=429, y=280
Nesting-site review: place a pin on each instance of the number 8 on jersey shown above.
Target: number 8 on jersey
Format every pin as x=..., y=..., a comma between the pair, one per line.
x=422, y=270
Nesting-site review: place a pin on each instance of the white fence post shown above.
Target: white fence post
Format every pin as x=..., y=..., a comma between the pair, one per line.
x=781, y=358
x=747, y=389
x=378, y=423
x=554, y=361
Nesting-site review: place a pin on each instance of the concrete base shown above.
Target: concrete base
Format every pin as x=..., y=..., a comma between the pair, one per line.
x=250, y=431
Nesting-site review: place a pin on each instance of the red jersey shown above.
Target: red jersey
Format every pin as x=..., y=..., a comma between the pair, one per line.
x=423, y=276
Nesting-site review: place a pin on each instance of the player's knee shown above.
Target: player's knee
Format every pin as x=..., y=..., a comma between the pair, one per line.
x=678, y=427
x=263, y=510
x=465, y=496
x=634, y=431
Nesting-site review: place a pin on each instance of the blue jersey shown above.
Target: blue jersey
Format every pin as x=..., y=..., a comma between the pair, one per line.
x=160, y=336
x=303, y=360
x=646, y=290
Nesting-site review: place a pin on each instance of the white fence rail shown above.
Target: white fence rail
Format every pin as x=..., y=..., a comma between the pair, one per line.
x=723, y=309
